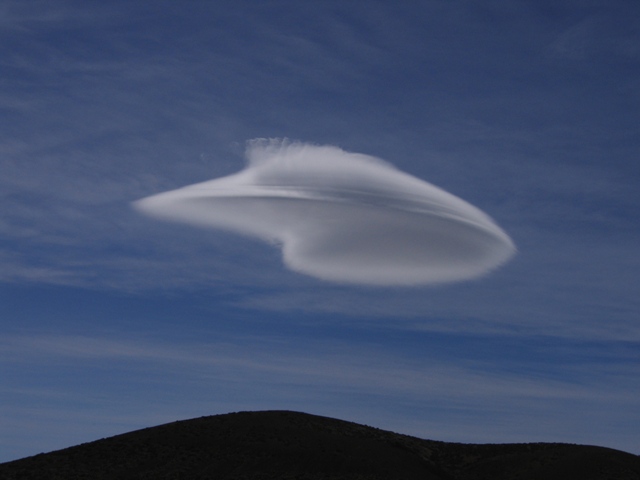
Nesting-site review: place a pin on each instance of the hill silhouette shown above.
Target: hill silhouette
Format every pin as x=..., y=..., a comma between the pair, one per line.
x=292, y=445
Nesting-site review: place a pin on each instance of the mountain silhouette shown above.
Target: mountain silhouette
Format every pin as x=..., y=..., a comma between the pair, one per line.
x=291, y=445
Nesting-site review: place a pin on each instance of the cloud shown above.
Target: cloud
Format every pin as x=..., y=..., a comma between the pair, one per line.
x=342, y=217
x=482, y=397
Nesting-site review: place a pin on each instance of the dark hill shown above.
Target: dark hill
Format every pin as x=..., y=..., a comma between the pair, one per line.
x=290, y=445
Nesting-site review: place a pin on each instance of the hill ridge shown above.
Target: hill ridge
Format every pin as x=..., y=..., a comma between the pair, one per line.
x=287, y=444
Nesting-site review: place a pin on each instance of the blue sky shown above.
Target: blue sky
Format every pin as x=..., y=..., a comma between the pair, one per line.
x=113, y=321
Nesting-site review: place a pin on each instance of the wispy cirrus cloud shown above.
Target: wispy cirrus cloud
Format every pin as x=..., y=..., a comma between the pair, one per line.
x=352, y=366
x=479, y=395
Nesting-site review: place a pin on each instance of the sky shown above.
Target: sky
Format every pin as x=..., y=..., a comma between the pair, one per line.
x=112, y=320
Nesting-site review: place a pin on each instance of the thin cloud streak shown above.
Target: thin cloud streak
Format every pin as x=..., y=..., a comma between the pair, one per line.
x=348, y=366
x=271, y=372
x=343, y=217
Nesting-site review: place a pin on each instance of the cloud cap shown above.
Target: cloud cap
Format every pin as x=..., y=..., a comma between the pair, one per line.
x=343, y=217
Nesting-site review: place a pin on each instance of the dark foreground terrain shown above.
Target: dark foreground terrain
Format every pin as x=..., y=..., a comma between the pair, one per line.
x=290, y=445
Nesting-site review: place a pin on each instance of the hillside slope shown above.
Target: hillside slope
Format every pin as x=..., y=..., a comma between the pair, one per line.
x=283, y=445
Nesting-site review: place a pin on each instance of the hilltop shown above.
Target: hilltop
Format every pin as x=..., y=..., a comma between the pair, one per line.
x=287, y=445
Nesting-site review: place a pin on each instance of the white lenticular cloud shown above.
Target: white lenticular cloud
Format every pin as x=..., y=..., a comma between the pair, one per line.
x=343, y=217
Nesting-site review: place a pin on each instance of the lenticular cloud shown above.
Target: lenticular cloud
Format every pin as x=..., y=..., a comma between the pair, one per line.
x=343, y=217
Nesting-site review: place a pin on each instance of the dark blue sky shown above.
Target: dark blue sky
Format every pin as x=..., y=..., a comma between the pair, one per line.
x=111, y=321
